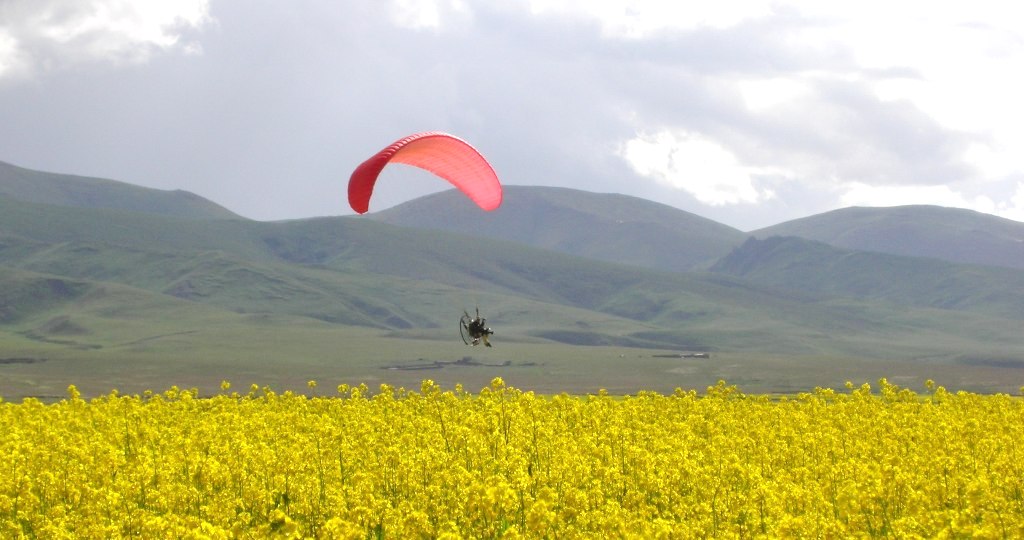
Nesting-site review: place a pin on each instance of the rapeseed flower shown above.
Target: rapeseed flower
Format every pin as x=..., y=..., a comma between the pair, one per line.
x=506, y=463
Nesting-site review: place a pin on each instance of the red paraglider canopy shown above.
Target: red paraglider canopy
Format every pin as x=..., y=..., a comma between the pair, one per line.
x=445, y=155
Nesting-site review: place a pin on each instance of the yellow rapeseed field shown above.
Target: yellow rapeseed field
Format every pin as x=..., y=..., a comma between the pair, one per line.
x=430, y=462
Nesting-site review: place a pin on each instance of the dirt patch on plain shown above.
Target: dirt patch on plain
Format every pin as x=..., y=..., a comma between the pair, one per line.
x=21, y=360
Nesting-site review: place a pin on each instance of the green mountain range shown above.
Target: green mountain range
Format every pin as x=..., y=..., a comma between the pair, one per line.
x=817, y=268
x=606, y=227
x=107, y=285
x=950, y=234
x=85, y=192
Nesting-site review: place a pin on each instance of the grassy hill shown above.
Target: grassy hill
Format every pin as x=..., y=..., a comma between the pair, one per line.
x=51, y=224
x=950, y=234
x=78, y=191
x=813, y=267
x=606, y=227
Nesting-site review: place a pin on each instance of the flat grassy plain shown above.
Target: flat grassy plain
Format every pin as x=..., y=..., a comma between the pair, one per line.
x=102, y=336
x=285, y=353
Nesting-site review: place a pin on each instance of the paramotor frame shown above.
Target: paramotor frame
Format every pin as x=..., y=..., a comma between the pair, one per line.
x=464, y=321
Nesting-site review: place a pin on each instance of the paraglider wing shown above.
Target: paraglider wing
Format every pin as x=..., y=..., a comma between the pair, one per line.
x=444, y=155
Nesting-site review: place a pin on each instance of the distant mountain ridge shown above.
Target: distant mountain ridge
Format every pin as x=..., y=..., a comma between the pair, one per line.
x=203, y=259
x=950, y=234
x=608, y=227
x=84, y=192
x=814, y=267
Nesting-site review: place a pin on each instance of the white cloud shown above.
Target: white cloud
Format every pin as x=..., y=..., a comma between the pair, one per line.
x=9, y=54
x=697, y=165
x=37, y=35
x=637, y=19
x=1015, y=210
x=960, y=64
x=963, y=56
x=763, y=94
x=992, y=160
x=426, y=14
x=909, y=87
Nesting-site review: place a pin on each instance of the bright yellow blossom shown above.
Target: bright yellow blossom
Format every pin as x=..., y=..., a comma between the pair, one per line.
x=506, y=463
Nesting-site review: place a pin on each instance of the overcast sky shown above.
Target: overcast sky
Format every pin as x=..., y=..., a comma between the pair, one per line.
x=749, y=113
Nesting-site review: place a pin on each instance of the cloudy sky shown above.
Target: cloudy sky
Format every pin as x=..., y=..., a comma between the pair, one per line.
x=749, y=112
